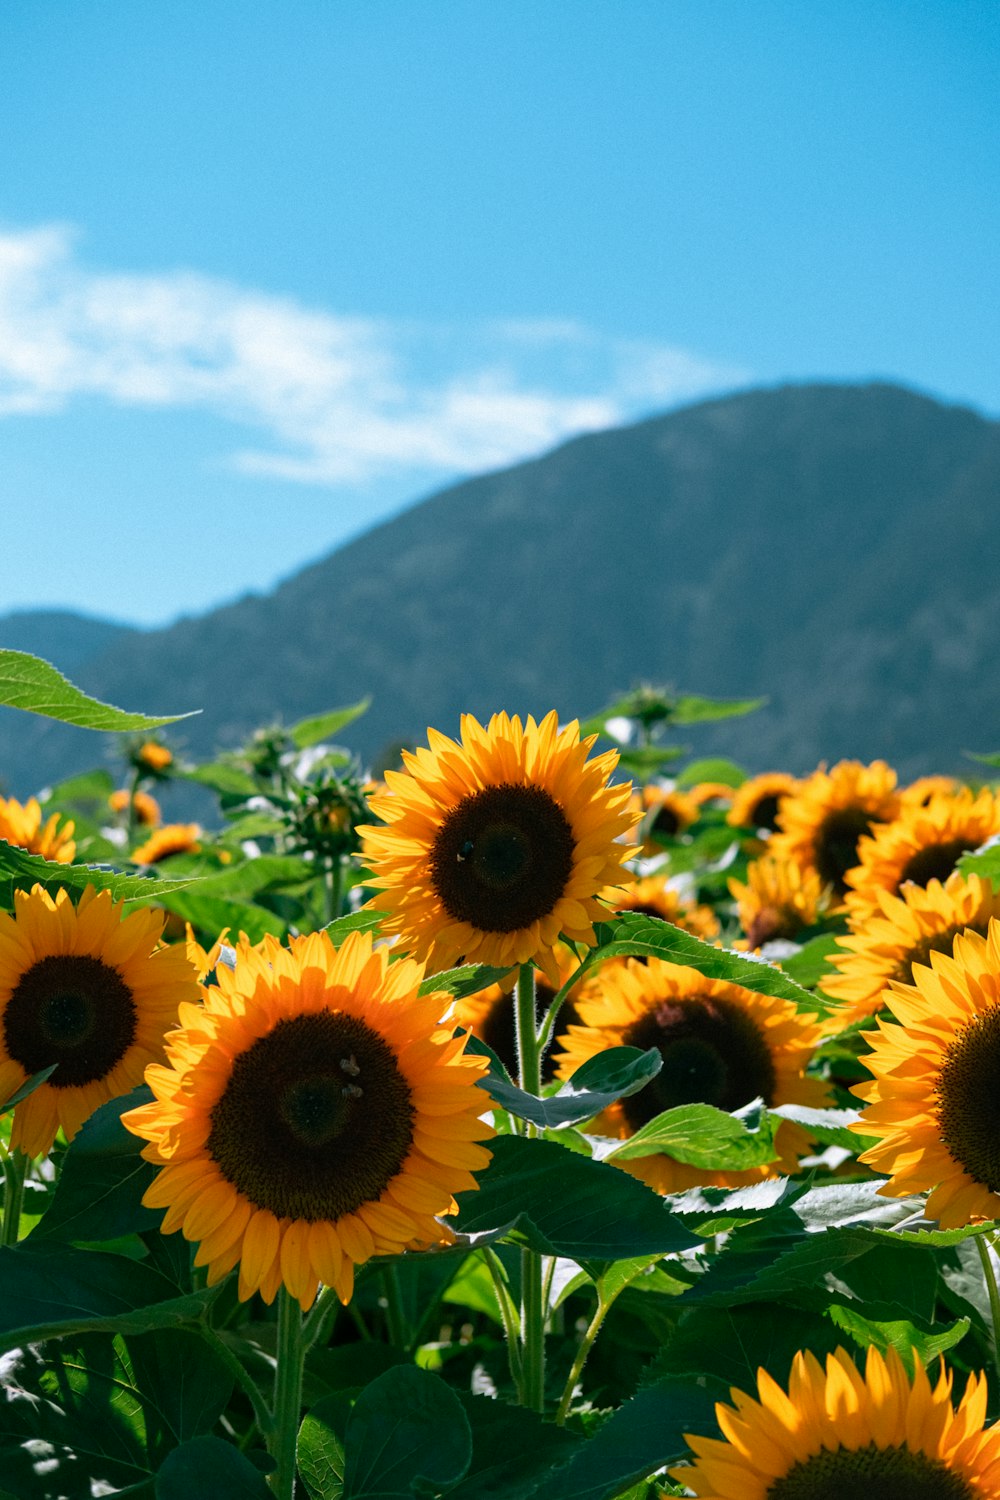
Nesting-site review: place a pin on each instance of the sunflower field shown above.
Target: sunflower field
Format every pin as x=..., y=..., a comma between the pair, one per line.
x=556, y=1114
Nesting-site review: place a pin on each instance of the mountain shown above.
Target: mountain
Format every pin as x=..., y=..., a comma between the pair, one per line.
x=833, y=547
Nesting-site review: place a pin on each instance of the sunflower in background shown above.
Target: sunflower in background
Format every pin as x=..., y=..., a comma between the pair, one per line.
x=757, y=803
x=496, y=845
x=655, y=896
x=778, y=900
x=313, y=1112
x=905, y=931
x=821, y=823
x=85, y=988
x=836, y=1435
x=933, y=1099
x=146, y=809
x=666, y=813
x=172, y=838
x=489, y=1013
x=151, y=757
x=23, y=826
x=721, y=1044
x=924, y=843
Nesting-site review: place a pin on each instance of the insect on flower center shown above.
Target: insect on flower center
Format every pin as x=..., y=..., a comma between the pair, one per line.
x=968, y=1104
x=315, y=1119
x=502, y=858
x=878, y=1473
x=712, y=1053
x=72, y=1010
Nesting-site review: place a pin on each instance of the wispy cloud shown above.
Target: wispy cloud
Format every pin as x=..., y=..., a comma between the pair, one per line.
x=329, y=399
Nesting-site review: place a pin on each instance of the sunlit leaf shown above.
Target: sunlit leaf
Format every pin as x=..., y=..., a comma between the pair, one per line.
x=715, y=769
x=36, y=686
x=28, y=1087
x=467, y=980
x=705, y=1137
x=610, y=1075
x=30, y=869
x=312, y=731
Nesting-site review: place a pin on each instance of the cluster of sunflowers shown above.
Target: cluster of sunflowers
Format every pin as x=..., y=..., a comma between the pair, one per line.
x=500, y=940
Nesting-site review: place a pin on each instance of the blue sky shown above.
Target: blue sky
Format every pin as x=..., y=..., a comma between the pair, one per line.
x=269, y=272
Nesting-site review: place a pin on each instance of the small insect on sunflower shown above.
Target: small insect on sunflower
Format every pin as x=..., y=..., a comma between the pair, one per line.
x=497, y=845
x=836, y=1434
x=87, y=989
x=313, y=1112
x=933, y=1098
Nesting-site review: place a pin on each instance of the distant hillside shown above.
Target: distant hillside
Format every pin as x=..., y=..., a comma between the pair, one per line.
x=60, y=635
x=833, y=547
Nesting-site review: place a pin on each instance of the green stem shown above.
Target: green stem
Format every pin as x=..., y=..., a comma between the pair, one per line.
x=395, y=1321
x=989, y=1276
x=130, y=824
x=334, y=889
x=321, y=1317
x=14, y=1169
x=287, y=1395
x=509, y=1314
x=586, y=1344
x=262, y=1412
x=529, y=1060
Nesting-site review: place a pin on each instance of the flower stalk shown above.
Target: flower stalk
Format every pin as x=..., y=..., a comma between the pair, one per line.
x=529, y=1059
x=287, y=1394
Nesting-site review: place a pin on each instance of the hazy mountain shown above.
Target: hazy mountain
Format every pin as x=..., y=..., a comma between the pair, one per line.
x=833, y=547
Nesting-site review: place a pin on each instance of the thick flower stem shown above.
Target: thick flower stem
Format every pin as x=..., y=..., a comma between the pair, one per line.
x=529, y=1061
x=983, y=1245
x=287, y=1394
x=14, y=1168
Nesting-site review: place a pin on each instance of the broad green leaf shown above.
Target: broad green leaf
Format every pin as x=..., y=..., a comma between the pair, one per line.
x=984, y=861
x=611, y=1075
x=101, y=1180
x=991, y=759
x=229, y=781
x=706, y=1137
x=206, y=1466
x=36, y=686
x=726, y=1346
x=407, y=1429
x=28, y=1087
x=565, y=1204
x=650, y=937
x=810, y=966
x=213, y=914
x=639, y=1438
x=311, y=731
x=30, y=869
x=320, y=1447
x=467, y=980
x=830, y=1126
x=89, y=786
x=511, y=1450
x=899, y=1334
x=692, y=710
x=716, y=769
x=644, y=761
x=183, y=1381
x=52, y=1290
x=364, y=920
x=241, y=882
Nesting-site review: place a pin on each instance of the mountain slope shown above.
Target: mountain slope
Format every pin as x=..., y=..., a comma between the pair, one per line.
x=832, y=547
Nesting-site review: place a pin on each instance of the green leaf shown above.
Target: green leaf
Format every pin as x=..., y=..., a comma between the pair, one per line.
x=899, y=1334
x=512, y=1449
x=726, y=1346
x=206, y=1466
x=564, y=1204
x=52, y=1290
x=36, y=686
x=101, y=1181
x=407, y=1432
x=228, y=780
x=89, y=786
x=634, y=933
x=320, y=1447
x=467, y=980
x=993, y=759
x=31, y=869
x=984, y=861
x=644, y=761
x=311, y=731
x=830, y=1126
x=213, y=914
x=706, y=1137
x=715, y=769
x=28, y=1087
x=693, y=710
x=642, y=1436
x=354, y=921
x=610, y=1075
x=810, y=965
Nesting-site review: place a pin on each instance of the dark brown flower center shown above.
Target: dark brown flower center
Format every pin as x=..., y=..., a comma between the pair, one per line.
x=502, y=858
x=835, y=848
x=968, y=1098
x=875, y=1473
x=72, y=1010
x=772, y=923
x=315, y=1120
x=666, y=824
x=935, y=942
x=935, y=862
x=764, y=813
x=712, y=1053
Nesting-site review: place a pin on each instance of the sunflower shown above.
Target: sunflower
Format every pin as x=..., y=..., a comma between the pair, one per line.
x=146, y=808
x=666, y=812
x=496, y=845
x=924, y=843
x=757, y=802
x=656, y=897
x=153, y=757
x=313, y=1112
x=721, y=1044
x=23, y=826
x=173, y=838
x=821, y=822
x=924, y=788
x=906, y=929
x=88, y=989
x=489, y=1013
x=836, y=1435
x=933, y=1099
x=778, y=900
x=711, y=791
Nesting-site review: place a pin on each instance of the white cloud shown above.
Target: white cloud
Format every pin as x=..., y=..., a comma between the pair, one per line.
x=330, y=399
